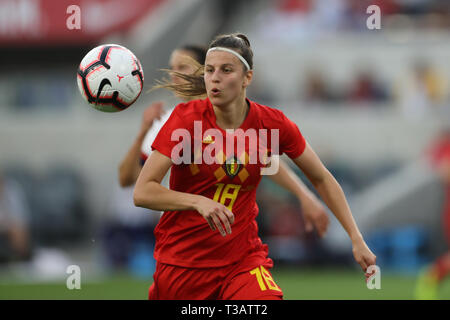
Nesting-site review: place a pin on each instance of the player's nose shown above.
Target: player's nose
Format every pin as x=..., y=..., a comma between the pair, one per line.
x=215, y=77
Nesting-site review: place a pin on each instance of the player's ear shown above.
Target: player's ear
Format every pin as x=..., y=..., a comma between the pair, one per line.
x=248, y=77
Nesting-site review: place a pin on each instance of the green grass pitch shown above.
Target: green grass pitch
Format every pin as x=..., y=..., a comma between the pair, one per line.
x=297, y=284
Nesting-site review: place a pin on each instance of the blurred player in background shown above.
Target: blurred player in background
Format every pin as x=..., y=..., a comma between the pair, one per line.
x=194, y=261
x=154, y=118
x=429, y=280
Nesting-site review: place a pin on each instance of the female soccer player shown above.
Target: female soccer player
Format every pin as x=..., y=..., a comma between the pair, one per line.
x=153, y=119
x=213, y=186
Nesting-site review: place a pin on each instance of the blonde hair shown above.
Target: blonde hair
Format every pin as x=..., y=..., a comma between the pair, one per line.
x=192, y=88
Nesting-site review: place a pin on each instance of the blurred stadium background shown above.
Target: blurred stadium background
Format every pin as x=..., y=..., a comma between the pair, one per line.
x=370, y=102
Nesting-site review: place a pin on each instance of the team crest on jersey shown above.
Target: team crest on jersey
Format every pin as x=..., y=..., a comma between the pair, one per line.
x=232, y=166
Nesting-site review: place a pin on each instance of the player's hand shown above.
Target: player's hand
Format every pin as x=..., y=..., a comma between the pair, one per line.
x=315, y=216
x=363, y=256
x=216, y=214
x=151, y=113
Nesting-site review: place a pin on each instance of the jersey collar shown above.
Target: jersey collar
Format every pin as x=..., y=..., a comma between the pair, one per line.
x=248, y=121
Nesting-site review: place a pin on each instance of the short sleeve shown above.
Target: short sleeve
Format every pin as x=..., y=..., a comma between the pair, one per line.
x=163, y=141
x=292, y=142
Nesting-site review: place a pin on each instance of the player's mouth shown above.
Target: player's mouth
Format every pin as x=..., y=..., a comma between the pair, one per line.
x=215, y=92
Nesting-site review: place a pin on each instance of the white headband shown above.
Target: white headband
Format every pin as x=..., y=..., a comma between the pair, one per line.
x=232, y=52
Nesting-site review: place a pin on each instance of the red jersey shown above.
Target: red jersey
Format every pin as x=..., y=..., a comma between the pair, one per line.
x=184, y=238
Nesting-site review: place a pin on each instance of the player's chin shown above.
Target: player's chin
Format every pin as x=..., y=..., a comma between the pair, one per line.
x=217, y=100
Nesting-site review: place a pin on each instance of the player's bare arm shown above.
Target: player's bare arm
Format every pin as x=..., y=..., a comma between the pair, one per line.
x=313, y=210
x=149, y=193
x=130, y=166
x=331, y=192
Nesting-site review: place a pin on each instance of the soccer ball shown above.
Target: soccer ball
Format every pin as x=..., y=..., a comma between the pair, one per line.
x=110, y=78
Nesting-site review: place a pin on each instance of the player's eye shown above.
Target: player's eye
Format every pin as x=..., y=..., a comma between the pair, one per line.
x=209, y=70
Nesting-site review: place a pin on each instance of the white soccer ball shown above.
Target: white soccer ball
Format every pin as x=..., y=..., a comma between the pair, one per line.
x=110, y=78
